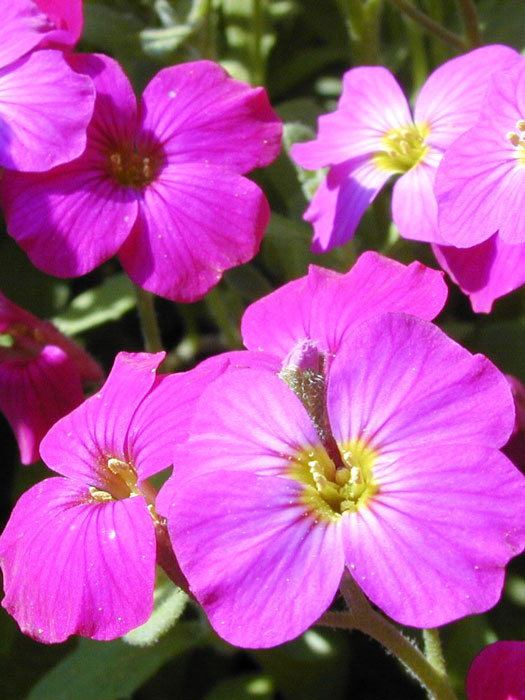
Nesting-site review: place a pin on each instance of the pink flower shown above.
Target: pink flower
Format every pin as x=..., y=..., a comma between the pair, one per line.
x=41, y=376
x=372, y=136
x=160, y=184
x=479, y=186
x=78, y=554
x=382, y=460
x=498, y=673
x=486, y=271
x=45, y=106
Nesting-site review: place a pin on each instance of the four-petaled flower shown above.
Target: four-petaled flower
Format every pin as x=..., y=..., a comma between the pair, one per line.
x=364, y=452
x=161, y=183
x=78, y=554
x=372, y=136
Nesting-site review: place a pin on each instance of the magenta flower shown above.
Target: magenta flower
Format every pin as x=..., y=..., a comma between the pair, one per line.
x=161, y=184
x=486, y=271
x=372, y=463
x=45, y=106
x=479, y=186
x=41, y=376
x=372, y=136
x=79, y=551
x=498, y=673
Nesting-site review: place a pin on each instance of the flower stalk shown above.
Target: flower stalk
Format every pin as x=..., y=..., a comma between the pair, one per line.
x=429, y=671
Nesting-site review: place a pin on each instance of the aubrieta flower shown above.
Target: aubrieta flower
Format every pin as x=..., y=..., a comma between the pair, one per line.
x=78, y=554
x=41, y=375
x=160, y=184
x=498, y=673
x=480, y=182
x=375, y=454
x=45, y=106
x=372, y=136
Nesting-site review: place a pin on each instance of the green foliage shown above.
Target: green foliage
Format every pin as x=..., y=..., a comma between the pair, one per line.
x=113, y=670
x=107, y=302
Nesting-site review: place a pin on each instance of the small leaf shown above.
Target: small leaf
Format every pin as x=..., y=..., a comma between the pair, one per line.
x=113, y=670
x=169, y=604
x=108, y=302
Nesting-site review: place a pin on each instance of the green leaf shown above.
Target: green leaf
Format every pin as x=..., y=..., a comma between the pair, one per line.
x=300, y=669
x=169, y=604
x=247, y=687
x=113, y=670
x=108, y=302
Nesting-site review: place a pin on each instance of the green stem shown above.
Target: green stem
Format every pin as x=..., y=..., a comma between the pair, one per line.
x=434, y=651
x=469, y=15
x=430, y=25
x=362, y=617
x=258, y=31
x=148, y=320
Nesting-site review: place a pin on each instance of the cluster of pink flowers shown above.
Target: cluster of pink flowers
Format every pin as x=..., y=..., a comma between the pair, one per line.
x=460, y=159
x=350, y=437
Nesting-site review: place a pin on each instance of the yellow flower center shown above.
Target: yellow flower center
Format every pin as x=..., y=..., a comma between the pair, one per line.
x=121, y=482
x=332, y=491
x=403, y=148
x=133, y=169
x=517, y=139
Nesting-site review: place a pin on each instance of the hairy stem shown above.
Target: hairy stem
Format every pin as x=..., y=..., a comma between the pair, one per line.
x=148, y=320
x=361, y=616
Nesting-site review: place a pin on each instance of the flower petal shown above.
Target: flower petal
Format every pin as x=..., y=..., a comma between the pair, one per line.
x=486, y=271
x=249, y=420
x=451, y=98
x=325, y=305
x=261, y=566
x=35, y=393
x=479, y=182
x=341, y=200
x=45, y=108
x=80, y=444
x=23, y=27
x=195, y=222
x=497, y=673
x=414, y=207
x=432, y=544
x=371, y=105
x=76, y=216
x=201, y=115
x=399, y=382
x=164, y=416
x=74, y=566
x=68, y=18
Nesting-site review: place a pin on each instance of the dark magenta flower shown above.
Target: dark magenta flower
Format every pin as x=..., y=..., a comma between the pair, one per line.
x=78, y=554
x=160, y=183
x=41, y=376
x=498, y=673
